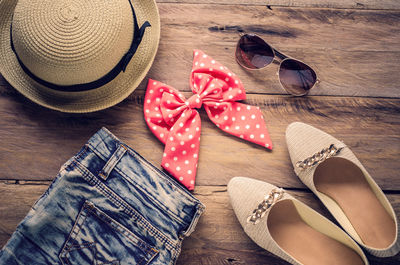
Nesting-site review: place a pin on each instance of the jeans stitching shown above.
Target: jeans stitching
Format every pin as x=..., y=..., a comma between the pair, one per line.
x=112, y=161
x=83, y=152
x=88, y=176
x=126, y=232
x=176, y=254
x=62, y=255
x=173, y=215
x=76, y=247
x=146, y=164
x=80, y=227
x=153, y=252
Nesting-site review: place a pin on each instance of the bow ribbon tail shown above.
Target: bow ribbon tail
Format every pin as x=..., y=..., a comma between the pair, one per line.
x=182, y=148
x=241, y=120
x=176, y=123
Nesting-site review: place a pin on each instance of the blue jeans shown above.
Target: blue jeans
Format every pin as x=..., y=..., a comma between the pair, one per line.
x=107, y=205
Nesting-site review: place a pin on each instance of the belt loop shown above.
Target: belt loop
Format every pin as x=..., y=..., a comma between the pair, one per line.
x=109, y=166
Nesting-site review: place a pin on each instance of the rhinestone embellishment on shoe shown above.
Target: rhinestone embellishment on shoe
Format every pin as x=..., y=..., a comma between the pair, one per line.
x=319, y=157
x=258, y=213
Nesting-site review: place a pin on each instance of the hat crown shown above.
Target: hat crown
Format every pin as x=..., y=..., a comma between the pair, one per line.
x=70, y=42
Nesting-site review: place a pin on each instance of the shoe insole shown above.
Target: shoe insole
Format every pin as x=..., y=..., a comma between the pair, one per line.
x=304, y=243
x=345, y=183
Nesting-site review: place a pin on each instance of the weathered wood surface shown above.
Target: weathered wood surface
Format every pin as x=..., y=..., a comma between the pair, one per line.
x=355, y=52
x=354, y=47
x=218, y=239
x=35, y=141
x=348, y=4
x=338, y=43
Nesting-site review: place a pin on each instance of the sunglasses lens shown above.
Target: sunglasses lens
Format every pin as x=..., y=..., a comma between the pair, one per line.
x=252, y=52
x=296, y=77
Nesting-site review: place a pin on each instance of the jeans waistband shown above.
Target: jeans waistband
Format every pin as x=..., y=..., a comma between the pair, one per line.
x=104, y=153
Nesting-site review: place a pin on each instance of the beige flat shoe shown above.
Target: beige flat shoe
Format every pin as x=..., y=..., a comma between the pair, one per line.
x=329, y=168
x=288, y=228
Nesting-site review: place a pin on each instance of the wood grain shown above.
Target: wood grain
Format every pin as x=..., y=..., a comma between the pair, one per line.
x=339, y=44
x=354, y=46
x=354, y=52
x=218, y=239
x=35, y=142
x=359, y=4
x=348, y=4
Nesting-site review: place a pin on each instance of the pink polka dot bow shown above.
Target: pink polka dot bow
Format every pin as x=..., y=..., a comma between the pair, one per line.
x=175, y=122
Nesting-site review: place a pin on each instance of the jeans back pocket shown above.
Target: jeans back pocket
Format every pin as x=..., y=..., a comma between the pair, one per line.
x=98, y=239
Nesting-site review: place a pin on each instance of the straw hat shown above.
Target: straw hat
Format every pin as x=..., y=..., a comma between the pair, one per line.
x=75, y=55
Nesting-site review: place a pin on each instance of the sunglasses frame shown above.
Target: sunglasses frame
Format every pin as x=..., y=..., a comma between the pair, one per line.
x=278, y=58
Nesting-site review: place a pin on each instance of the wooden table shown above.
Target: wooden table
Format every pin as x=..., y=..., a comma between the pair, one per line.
x=353, y=45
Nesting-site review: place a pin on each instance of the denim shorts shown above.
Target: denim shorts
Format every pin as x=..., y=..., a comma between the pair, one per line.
x=107, y=205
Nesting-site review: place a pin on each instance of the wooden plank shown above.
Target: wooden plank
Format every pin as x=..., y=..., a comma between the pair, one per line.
x=35, y=142
x=354, y=52
x=16, y=200
x=218, y=239
x=350, y=4
x=342, y=45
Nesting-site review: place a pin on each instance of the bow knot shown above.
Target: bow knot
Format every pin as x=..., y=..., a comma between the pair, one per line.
x=194, y=102
x=175, y=121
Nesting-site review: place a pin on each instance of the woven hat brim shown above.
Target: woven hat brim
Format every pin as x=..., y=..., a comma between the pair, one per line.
x=87, y=101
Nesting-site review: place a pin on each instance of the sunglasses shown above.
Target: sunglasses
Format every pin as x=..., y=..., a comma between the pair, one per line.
x=252, y=53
